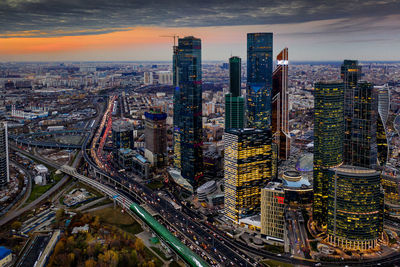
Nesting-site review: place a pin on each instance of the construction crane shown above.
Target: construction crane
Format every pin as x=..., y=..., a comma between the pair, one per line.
x=171, y=36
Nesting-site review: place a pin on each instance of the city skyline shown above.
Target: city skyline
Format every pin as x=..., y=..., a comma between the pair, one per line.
x=43, y=31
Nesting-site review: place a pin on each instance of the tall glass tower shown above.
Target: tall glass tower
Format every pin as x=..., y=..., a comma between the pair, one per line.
x=188, y=109
x=259, y=80
x=280, y=106
x=234, y=102
x=328, y=141
x=381, y=127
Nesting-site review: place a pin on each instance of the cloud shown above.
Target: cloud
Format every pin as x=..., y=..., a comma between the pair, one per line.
x=41, y=18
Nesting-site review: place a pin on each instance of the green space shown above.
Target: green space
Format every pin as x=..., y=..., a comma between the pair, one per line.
x=160, y=253
x=37, y=191
x=99, y=204
x=116, y=217
x=174, y=264
x=274, y=263
x=274, y=249
x=155, y=185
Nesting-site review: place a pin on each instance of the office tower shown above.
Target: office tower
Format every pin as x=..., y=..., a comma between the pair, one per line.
x=259, y=80
x=381, y=127
x=328, y=141
x=247, y=166
x=4, y=166
x=355, y=213
x=148, y=78
x=188, y=109
x=350, y=74
x=122, y=134
x=272, y=211
x=156, y=137
x=364, y=125
x=280, y=106
x=234, y=102
x=390, y=179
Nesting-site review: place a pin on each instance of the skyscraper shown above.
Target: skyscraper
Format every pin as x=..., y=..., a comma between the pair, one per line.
x=381, y=127
x=247, y=169
x=4, y=166
x=364, y=125
x=328, y=141
x=188, y=109
x=259, y=80
x=122, y=134
x=156, y=137
x=350, y=73
x=234, y=102
x=280, y=105
x=355, y=213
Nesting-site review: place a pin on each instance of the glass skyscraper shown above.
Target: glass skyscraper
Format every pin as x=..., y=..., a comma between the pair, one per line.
x=355, y=208
x=259, y=80
x=350, y=73
x=280, y=105
x=234, y=102
x=364, y=126
x=247, y=169
x=188, y=109
x=381, y=128
x=328, y=141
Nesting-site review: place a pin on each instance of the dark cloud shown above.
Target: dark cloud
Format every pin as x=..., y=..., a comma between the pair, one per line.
x=77, y=17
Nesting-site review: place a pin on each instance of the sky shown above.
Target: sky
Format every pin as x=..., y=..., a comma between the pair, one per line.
x=132, y=30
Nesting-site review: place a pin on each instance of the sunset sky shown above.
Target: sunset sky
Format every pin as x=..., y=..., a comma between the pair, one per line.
x=97, y=30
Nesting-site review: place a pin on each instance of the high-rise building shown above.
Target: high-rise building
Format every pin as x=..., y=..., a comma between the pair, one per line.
x=350, y=74
x=188, y=109
x=273, y=211
x=280, y=105
x=390, y=179
x=4, y=166
x=156, y=137
x=328, y=141
x=247, y=166
x=259, y=80
x=148, y=78
x=234, y=102
x=364, y=124
x=381, y=127
x=122, y=134
x=355, y=213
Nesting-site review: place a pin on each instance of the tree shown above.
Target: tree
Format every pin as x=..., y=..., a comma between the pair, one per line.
x=90, y=263
x=139, y=246
x=60, y=214
x=16, y=225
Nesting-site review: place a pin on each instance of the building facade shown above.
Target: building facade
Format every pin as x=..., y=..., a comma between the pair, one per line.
x=188, y=127
x=381, y=127
x=122, y=134
x=156, y=138
x=350, y=73
x=355, y=213
x=259, y=80
x=280, y=105
x=273, y=211
x=247, y=166
x=4, y=165
x=328, y=141
x=234, y=102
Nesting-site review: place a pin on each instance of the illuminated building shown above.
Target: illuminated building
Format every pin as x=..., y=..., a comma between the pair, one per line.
x=188, y=133
x=364, y=126
x=273, y=211
x=280, y=105
x=298, y=190
x=355, y=208
x=122, y=134
x=4, y=166
x=381, y=127
x=390, y=180
x=328, y=141
x=350, y=73
x=156, y=138
x=247, y=168
x=259, y=80
x=234, y=102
